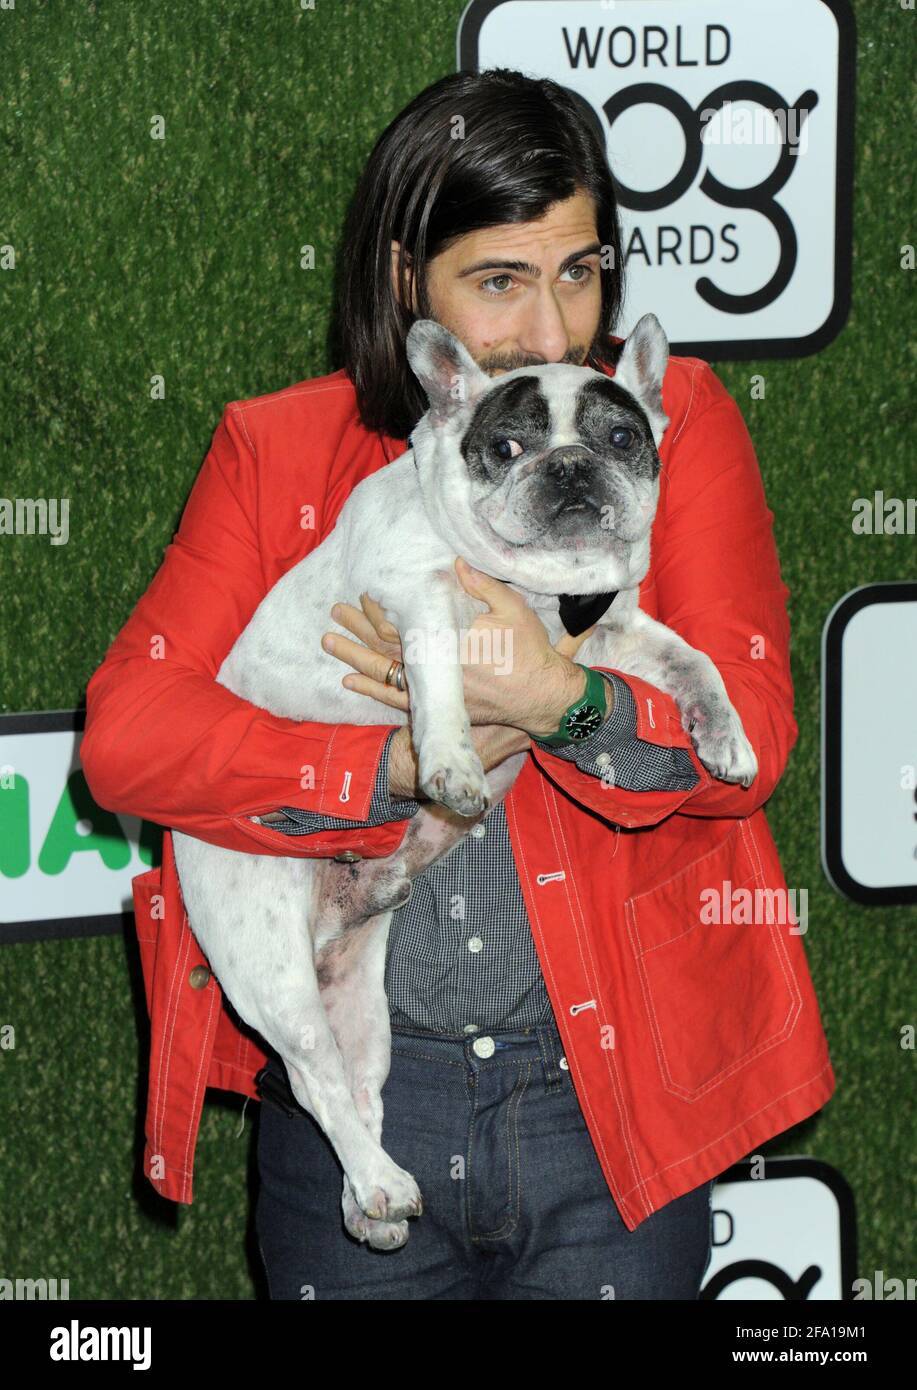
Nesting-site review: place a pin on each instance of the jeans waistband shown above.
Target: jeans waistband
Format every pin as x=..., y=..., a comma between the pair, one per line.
x=541, y=1041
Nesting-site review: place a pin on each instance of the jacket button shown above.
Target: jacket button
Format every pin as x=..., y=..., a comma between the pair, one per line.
x=347, y=856
x=199, y=977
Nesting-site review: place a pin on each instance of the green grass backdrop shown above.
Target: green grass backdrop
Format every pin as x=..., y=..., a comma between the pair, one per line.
x=181, y=257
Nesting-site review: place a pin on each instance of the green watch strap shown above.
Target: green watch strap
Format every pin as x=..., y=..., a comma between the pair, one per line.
x=576, y=720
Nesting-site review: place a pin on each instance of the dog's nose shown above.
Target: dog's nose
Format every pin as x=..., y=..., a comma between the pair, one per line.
x=570, y=464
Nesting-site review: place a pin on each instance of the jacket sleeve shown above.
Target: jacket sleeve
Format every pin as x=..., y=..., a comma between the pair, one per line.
x=615, y=752
x=166, y=742
x=718, y=585
x=383, y=807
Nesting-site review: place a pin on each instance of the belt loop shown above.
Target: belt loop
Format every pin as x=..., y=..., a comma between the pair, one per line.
x=553, y=1076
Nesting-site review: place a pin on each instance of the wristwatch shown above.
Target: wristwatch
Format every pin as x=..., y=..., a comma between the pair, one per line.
x=585, y=715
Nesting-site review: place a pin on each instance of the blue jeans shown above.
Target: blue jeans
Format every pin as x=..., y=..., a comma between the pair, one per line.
x=516, y=1205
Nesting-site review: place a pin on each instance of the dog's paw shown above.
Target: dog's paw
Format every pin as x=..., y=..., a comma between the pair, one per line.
x=387, y=1195
x=720, y=743
x=381, y=1235
x=455, y=777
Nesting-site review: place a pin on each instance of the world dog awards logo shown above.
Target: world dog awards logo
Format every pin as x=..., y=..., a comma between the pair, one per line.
x=66, y=865
x=728, y=126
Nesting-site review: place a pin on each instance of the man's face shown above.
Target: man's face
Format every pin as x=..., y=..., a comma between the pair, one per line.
x=521, y=295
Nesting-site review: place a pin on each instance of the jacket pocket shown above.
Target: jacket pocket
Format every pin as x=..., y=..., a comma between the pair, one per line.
x=717, y=979
x=144, y=886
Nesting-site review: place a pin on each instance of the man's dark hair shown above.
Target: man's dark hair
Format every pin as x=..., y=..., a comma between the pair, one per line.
x=526, y=144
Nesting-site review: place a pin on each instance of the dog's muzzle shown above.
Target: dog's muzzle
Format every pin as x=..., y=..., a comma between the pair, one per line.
x=571, y=467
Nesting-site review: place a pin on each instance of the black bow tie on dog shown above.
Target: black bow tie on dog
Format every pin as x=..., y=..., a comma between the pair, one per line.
x=579, y=611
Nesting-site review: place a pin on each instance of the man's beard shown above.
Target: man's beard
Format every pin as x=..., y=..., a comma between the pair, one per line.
x=577, y=355
x=509, y=362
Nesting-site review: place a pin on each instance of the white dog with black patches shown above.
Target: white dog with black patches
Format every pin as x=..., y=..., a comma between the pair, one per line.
x=520, y=475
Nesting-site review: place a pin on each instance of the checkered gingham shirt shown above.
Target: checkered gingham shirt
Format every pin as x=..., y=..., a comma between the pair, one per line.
x=460, y=953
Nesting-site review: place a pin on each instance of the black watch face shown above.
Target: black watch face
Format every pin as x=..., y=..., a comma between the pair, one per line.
x=584, y=721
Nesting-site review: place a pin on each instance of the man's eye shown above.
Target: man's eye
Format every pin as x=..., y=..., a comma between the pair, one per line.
x=588, y=272
x=506, y=449
x=622, y=437
x=491, y=280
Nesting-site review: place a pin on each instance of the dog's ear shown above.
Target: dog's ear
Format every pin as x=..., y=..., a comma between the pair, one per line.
x=445, y=369
x=641, y=368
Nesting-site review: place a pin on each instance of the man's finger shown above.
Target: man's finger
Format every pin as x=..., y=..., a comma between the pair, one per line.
x=499, y=597
x=568, y=645
x=385, y=694
x=376, y=614
x=356, y=621
x=364, y=659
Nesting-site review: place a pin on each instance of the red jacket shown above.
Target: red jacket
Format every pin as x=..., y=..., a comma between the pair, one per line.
x=689, y=1042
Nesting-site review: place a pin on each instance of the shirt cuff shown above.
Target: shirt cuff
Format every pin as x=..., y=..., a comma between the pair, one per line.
x=615, y=752
x=383, y=807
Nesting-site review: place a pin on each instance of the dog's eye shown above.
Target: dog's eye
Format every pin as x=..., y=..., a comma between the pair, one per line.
x=506, y=449
x=622, y=437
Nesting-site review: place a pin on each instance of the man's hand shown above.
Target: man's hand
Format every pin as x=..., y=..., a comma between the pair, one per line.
x=372, y=655
x=494, y=743
x=527, y=688
x=532, y=687
x=379, y=644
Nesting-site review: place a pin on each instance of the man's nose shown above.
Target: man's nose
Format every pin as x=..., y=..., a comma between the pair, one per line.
x=544, y=334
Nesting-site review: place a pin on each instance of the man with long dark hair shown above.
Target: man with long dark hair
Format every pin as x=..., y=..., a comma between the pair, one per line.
x=576, y=1053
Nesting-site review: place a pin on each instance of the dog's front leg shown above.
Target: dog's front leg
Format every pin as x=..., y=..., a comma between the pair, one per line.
x=429, y=622
x=656, y=654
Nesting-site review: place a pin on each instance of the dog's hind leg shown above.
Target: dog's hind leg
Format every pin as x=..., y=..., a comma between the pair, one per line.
x=254, y=917
x=352, y=968
x=320, y=1080
x=351, y=974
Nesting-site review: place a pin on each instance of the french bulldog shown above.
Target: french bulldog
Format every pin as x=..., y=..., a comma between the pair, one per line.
x=547, y=478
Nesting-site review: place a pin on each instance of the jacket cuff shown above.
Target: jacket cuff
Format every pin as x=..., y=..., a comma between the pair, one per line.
x=661, y=744
x=383, y=808
x=615, y=753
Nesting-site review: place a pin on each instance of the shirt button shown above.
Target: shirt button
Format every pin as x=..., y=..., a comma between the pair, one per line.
x=564, y=1064
x=347, y=856
x=478, y=831
x=602, y=759
x=199, y=977
x=475, y=944
x=483, y=1047
x=470, y=1028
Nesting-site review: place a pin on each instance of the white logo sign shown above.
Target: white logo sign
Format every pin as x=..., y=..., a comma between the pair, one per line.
x=869, y=744
x=729, y=130
x=65, y=864
x=787, y=1234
